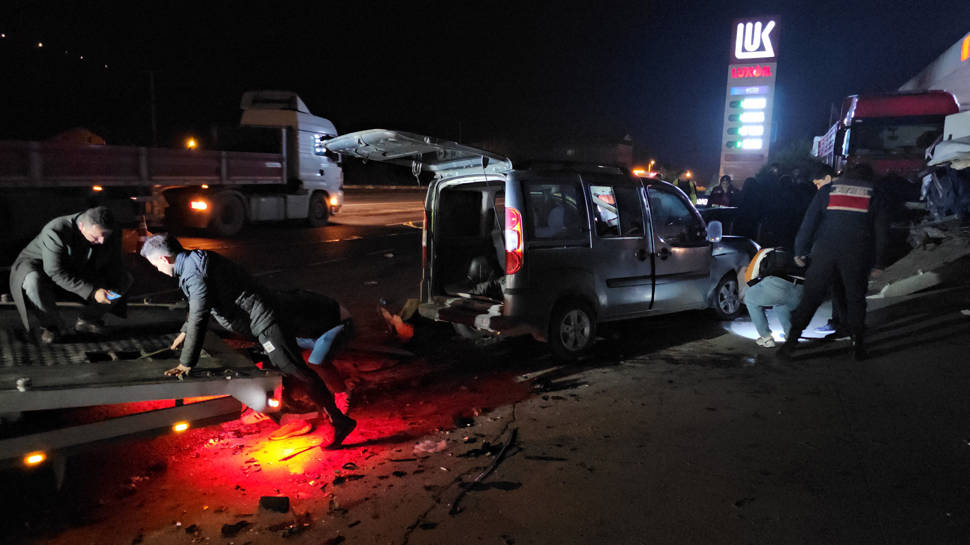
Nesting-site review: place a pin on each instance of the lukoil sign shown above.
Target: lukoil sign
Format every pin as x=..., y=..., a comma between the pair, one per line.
x=755, y=39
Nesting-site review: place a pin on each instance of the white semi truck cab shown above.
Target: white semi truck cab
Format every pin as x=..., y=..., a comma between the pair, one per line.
x=306, y=181
x=272, y=167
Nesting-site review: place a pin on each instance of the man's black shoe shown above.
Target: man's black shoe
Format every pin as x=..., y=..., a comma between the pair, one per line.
x=90, y=326
x=837, y=335
x=341, y=430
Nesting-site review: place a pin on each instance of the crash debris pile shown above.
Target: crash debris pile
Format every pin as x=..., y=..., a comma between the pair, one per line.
x=941, y=242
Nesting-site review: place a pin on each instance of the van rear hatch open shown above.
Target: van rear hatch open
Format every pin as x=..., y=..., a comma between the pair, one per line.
x=464, y=221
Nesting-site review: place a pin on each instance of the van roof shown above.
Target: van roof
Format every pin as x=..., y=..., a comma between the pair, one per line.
x=572, y=166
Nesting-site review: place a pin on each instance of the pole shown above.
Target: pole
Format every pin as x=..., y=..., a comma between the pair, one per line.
x=151, y=94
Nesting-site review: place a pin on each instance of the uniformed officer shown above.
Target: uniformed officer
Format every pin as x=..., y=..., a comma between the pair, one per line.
x=845, y=231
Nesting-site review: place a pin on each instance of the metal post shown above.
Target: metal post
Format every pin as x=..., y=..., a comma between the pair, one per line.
x=151, y=93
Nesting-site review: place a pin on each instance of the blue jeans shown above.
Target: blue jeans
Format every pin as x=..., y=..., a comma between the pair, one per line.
x=775, y=292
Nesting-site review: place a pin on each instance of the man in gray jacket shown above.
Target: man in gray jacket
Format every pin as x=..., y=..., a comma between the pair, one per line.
x=80, y=253
x=218, y=287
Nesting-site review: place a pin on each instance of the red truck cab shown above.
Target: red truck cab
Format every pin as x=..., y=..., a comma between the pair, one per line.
x=889, y=131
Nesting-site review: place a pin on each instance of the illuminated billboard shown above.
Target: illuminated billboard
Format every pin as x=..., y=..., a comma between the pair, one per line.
x=749, y=96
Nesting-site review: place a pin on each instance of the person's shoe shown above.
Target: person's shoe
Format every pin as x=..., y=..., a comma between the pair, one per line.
x=837, y=335
x=250, y=417
x=785, y=352
x=767, y=341
x=47, y=336
x=859, y=351
x=826, y=329
x=90, y=326
x=293, y=429
x=341, y=430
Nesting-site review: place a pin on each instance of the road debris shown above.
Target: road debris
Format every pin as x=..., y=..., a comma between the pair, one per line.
x=231, y=530
x=279, y=504
x=430, y=446
x=455, y=508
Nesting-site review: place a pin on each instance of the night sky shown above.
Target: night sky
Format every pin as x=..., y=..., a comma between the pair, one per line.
x=478, y=70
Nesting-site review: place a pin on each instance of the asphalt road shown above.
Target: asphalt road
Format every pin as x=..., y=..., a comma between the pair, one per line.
x=676, y=430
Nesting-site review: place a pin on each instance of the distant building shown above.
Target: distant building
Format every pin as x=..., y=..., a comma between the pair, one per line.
x=950, y=72
x=78, y=135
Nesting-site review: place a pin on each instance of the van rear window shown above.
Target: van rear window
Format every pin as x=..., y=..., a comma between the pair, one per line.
x=554, y=211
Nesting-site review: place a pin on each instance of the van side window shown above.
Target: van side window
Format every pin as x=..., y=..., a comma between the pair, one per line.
x=553, y=211
x=673, y=220
x=616, y=211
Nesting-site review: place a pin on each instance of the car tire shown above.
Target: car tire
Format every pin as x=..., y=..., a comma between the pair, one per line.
x=726, y=301
x=318, y=214
x=572, y=329
x=228, y=217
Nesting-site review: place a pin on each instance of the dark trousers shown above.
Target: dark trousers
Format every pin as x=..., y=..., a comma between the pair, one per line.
x=41, y=292
x=838, y=304
x=287, y=357
x=825, y=270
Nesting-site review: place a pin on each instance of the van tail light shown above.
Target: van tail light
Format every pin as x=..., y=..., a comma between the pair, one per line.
x=513, y=241
x=424, y=241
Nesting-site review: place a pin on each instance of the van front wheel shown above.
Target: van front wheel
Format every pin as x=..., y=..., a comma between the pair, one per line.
x=572, y=329
x=727, y=300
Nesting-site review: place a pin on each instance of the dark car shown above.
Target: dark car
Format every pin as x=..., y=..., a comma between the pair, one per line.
x=724, y=214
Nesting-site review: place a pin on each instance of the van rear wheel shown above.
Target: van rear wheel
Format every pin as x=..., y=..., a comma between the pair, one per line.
x=572, y=329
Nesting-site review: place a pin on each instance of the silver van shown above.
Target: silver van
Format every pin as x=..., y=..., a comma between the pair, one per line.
x=554, y=249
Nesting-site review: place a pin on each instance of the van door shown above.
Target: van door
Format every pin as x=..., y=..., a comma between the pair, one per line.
x=620, y=247
x=682, y=254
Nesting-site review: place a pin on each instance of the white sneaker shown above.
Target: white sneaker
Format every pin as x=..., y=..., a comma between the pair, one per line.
x=766, y=341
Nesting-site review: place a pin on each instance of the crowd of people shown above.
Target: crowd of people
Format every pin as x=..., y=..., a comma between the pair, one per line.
x=822, y=236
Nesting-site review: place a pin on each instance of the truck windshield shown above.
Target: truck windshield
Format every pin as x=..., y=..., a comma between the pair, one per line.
x=894, y=136
x=249, y=139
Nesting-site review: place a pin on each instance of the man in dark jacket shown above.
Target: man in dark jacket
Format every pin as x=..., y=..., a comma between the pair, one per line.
x=214, y=285
x=848, y=221
x=81, y=254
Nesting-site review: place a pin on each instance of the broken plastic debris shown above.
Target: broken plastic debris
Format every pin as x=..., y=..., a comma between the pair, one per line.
x=430, y=446
x=280, y=504
x=230, y=530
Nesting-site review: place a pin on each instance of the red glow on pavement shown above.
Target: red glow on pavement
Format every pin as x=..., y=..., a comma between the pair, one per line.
x=234, y=464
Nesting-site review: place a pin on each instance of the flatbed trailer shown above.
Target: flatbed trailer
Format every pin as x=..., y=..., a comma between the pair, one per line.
x=125, y=369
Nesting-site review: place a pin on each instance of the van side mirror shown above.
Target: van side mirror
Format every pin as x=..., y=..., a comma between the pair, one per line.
x=715, y=231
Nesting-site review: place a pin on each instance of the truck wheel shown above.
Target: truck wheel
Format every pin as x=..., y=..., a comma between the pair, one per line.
x=228, y=217
x=319, y=213
x=572, y=329
x=727, y=299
